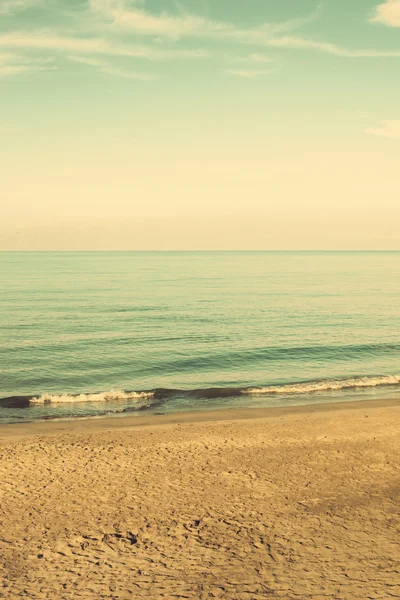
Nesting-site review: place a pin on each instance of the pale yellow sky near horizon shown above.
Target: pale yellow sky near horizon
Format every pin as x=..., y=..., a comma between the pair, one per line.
x=227, y=233
x=296, y=202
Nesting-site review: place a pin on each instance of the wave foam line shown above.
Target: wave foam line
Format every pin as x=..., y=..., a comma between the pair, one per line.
x=322, y=386
x=100, y=397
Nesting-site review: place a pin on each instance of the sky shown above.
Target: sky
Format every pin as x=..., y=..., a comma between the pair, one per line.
x=199, y=125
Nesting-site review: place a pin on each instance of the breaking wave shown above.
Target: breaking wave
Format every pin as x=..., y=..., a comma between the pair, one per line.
x=100, y=397
x=142, y=400
x=327, y=385
x=305, y=387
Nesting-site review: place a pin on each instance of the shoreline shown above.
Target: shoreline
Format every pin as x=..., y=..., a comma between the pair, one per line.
x=118, y=422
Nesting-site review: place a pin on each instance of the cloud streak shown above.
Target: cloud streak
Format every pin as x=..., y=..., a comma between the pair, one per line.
x=84, y=50
x=51, y=41
x=124, y=74
x=389, y=129
x=327, y=48
x=11, y=7
x=87, y=60
x=387, y=13
x=121, y=15
x=249, y=73
x=7, y=70
x=260, y=58
x=106, y=26
x=105, y=67
x=15, y=64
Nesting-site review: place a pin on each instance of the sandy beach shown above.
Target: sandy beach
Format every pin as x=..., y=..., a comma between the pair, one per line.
x=274, y=503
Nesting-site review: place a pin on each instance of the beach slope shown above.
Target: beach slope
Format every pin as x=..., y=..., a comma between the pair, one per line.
x=242, y=505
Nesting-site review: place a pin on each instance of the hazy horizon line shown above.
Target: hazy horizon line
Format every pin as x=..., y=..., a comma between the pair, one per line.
x=353, y=251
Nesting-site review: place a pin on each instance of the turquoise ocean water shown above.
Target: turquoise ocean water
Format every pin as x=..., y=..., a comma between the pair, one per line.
x=94, y=333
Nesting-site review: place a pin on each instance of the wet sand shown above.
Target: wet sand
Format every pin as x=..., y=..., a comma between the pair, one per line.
x=289, y=503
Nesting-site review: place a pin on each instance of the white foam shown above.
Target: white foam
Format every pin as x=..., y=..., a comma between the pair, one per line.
x=101, y=397
x=321, y=386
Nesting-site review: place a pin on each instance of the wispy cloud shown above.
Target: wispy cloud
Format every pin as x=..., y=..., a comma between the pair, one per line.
x=11, y=7
x=387, y=13
x=88, y=60
x=326, y=47
x=250, y=73
x=7, y=58
x=123, y=15
x=260, y=58
x=7, y=70
x=49, y=41
x=15, y=64
x=105, y=27
x=125, y=74
x=105, y=67
x=84, y=45
x=252, y=61
x=389, y=129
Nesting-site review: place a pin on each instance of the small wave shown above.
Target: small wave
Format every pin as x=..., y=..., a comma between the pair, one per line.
x=327, y=385
x=100, y=397
x=158, y=396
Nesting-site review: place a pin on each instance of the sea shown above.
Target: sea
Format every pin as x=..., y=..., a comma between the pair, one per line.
x=90, y=334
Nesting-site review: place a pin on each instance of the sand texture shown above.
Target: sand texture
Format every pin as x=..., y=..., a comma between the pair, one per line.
x=296, y=506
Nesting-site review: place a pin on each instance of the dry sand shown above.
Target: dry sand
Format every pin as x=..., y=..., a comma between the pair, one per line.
x=294, y=504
